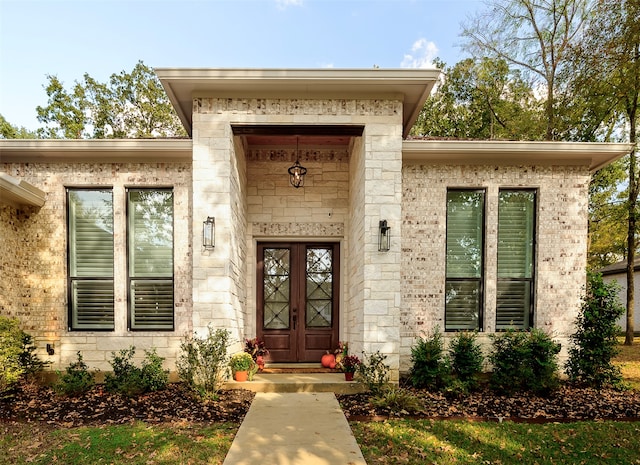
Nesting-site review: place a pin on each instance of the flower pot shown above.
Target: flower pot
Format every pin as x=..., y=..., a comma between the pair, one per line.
x=348, y=375
x=241, y=376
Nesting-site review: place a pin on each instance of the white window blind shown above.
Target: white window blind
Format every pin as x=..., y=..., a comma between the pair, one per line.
x=90, y=259
x=516, y=245
x=465, y=253
x=150, y=246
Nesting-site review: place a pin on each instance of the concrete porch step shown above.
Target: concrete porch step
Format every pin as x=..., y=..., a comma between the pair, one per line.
x=298, y=382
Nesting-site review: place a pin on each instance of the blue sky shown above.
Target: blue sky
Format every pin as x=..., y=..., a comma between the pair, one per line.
x=68, y=38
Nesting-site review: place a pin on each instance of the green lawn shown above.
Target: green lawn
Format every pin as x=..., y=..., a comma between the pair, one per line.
x=138, y=444
x=465, y=442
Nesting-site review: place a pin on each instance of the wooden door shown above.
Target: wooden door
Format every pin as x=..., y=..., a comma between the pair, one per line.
x=297, y=312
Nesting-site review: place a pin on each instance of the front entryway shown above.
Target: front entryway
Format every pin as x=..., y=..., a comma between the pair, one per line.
x=297, y=301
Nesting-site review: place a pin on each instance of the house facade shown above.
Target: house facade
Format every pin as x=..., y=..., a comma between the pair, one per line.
x=113, y=243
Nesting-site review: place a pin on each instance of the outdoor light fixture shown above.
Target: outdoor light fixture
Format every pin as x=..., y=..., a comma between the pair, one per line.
x=384, y=238
x=297, y=171
x=209, y=233
x=50, y=349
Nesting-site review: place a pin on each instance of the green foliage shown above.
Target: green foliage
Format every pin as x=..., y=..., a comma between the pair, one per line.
x=466, y=359
x=76, y=379
x=594, y=342
x=373, y=371
x=10, y=351
x=524, y=361
x=430, y=368
x=130, y=380
x=397, y=400
x=202, y=362
x=241, y=361
x=129, y=105
x=31, y=364
x=9, y=131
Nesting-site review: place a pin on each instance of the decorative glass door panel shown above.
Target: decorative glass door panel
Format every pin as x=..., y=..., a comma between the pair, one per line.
x=297, y=299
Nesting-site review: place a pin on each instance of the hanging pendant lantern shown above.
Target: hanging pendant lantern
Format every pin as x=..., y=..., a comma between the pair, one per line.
x=297, y=171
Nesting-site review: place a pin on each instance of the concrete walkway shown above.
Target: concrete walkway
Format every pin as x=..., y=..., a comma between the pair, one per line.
x=295, y=429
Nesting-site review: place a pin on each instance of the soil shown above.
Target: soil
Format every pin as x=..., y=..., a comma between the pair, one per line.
x=38, y=404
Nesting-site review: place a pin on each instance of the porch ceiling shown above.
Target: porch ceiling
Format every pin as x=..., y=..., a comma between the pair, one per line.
x=412, y=86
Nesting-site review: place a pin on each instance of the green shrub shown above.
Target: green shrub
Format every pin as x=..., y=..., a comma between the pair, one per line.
x=466, y=359
x=10, y=350
x=130, y=380
x=430, y=368
x=154, y=377
x=202, y=363
x=524, y=361
x=76, y=380
x=397, y=400
x=374, y=372
x=31, y=364
x=595, y=341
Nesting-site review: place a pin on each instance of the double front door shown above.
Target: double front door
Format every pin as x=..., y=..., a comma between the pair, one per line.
x=297, y=301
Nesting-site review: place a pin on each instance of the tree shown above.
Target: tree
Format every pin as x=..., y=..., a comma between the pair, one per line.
x=130, y=105
x=9, y=131
x=534, y=36
x=610, y=52
x=480, y=99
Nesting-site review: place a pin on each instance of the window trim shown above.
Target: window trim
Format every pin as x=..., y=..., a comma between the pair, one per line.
x=482, y=278
x=130, y=278
x=72, y=325
x=532, y=280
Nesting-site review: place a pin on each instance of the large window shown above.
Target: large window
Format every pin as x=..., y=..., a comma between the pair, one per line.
x=516, y=232
x=465, y=257
x=150, y=258
x=90, y=259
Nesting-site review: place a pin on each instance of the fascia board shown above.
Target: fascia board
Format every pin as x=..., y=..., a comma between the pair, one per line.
x=16, y=192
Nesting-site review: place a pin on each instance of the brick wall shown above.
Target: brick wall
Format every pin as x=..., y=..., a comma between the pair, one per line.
x=35, y=286
x=560, y=244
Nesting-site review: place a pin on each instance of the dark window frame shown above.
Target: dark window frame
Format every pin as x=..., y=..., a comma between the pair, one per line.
x=479, y=280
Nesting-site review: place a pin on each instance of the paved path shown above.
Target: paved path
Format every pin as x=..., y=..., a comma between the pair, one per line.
x=295, y=429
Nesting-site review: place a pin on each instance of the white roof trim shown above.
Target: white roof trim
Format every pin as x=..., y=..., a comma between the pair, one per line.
x=412, y=86
x=595, y=155
x=15, y=192
x=95, y=150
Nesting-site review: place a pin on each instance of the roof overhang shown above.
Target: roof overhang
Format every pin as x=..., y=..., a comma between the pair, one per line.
x=16, y=193
x=412, y=86
x=595, y=155
x=95, y=150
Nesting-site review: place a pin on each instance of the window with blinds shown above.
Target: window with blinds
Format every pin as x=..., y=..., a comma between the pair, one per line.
x=465, y=257
x=90, y=259
x=150, y=258
x=516, y=247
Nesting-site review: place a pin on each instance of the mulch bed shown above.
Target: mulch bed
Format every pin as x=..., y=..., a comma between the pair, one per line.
x=39, y=404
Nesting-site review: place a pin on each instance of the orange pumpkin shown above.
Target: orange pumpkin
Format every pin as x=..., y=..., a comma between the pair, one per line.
x=327, y=360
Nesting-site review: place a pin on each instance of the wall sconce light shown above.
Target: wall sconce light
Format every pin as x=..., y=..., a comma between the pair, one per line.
x=297, y=171
x=50, y=350
x=209, y=233
x=384, y=237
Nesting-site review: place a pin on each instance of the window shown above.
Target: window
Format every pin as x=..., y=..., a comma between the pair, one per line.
x=516, y=232
x=150, y=258
x=90, y=259
x=465, y=257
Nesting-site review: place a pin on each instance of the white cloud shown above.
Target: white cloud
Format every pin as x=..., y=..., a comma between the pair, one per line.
x=422, y=55
x=283, y=4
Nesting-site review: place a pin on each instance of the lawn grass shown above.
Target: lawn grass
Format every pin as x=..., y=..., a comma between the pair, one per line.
x=629, y=362
x=467, y=442
x=137, y=444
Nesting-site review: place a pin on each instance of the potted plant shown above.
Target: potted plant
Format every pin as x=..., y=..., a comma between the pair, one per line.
x=256, y=348
x=240, y=364
x=349, y=365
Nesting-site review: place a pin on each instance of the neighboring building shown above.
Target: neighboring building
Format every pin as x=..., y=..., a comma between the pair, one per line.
x=103, y=239
x=617, y=272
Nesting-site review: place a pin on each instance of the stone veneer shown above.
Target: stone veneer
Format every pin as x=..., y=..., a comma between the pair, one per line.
x=34, y=278
x=560, y=244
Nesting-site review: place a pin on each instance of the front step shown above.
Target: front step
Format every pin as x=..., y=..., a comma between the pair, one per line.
x=298, y=382
x=280, y=368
